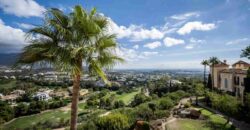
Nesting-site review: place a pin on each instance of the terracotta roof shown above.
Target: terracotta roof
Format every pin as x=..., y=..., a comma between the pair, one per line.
x=236, y=71
x=241, y=62
x=221, y=64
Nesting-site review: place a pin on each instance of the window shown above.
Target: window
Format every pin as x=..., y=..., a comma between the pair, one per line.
x=225, y=83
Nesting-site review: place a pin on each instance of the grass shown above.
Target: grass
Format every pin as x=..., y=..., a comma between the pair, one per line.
x=57, y=114
x=53, y=115
x=213, y=122
x=7, y=84
x=187, y=124
x=27, y=121
x=127, y=97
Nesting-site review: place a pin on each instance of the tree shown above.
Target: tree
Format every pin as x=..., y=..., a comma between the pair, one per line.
x=67, y=42
x=166, y=103
x=119, y=104
x=209, y=82
x=213, y=61
x=205, y=63
x=6, y=112
x=21, y=109
x=246, y=52
x=198, y=91
x=139, y=98
x=152, y=106
x=228, y=105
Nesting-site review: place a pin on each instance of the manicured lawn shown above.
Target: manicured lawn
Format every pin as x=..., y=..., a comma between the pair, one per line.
x=216, y=121
x=7, y=84
x=187, y=124
x=54, y=115
x=212, y=122
x=28, y=121
x=127, y=97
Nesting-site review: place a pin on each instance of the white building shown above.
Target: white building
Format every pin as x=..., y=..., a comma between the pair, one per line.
x=42, y=96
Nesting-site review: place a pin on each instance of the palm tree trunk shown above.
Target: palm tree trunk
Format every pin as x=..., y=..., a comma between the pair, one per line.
x=74, y=105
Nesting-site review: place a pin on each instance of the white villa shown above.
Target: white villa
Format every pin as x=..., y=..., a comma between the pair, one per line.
x=42, y=96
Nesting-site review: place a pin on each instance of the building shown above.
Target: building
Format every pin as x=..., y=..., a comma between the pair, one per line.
x=10, y=98
x=18, y=92
x=42, y=96
x=230, y=79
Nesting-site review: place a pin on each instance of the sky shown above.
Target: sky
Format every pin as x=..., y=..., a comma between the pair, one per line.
x=151, y=34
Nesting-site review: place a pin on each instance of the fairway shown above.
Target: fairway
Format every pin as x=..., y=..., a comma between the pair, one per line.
x=127, y=97
x=7, y=84
x=51, y=115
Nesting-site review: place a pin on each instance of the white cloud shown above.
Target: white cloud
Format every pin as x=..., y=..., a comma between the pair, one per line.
x=11, y=36
x=238, y=41
x=22, y=8
x=194, y=40
x=194, y=43
x=190, y=46
x=132, y=54
x=135, y=32
x=195, y=25
x=25, y=26
x=149, y=53
x=168, y=41
x=185, y=16
x=153, y=45
x=136, y=47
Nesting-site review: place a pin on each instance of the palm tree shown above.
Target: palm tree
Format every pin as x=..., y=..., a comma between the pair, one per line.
x=205, y=63
x=69, y=42
x=213, y=61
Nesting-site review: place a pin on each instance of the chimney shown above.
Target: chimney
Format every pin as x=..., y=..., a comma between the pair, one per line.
x=225, y=61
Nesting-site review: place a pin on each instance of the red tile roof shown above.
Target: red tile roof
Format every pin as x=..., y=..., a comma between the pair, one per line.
x=241, y=62
x=236, y=71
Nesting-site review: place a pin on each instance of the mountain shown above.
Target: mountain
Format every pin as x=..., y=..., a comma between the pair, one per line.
x=8, y=59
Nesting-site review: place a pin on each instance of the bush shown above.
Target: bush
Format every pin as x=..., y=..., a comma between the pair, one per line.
x=90, y=125
x=119, y=104
x=166, y=103
x=161, y=114
x=115, y=121
x=139, y=98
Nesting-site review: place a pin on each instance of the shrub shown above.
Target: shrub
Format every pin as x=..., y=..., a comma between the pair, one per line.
x=139, y=98
x=166, y=103
x=115, y=121
x=161, y=114
x=119, y=104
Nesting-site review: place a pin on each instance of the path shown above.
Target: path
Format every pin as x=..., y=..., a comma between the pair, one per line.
x=171, y=118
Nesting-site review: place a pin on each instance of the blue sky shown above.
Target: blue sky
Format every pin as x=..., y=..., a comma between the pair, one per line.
x=162, y=34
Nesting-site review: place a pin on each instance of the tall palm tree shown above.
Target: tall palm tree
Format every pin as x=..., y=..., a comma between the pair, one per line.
x=213, y=61
x=69, y=42
x=205, y=63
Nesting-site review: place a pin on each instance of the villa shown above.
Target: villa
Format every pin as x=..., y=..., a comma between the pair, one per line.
x=230, y=79
x=42, y=96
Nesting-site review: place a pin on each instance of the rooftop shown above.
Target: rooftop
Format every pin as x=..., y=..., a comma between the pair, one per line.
x=236, y=71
